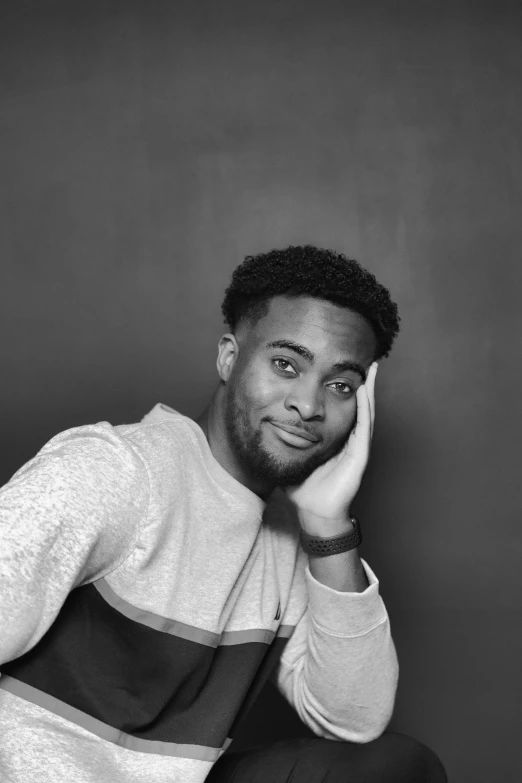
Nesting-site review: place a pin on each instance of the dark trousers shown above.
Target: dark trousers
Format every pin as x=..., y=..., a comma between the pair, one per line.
x=392, y=758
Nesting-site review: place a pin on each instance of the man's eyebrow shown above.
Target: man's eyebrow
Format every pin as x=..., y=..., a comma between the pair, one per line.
x=351, y=367
x=300, y=349
x=348, y=365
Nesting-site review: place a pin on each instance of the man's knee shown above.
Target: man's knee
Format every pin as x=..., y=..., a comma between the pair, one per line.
x=392, y=758
x=407, y=760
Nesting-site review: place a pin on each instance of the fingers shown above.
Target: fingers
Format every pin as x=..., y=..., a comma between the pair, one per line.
x=363, y=430
x=363, y=424
x=370, y=388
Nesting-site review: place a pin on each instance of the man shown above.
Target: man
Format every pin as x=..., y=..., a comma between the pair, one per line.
x=148, y=592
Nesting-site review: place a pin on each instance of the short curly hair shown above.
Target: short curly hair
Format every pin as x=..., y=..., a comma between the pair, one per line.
x=310, y=271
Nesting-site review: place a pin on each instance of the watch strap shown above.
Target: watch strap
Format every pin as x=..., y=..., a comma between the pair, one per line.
x=323, y=547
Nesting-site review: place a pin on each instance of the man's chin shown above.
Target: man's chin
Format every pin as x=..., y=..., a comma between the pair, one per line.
x=299, y=466
x=282, y=472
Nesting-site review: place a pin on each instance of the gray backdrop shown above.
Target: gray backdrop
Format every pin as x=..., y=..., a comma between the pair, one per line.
x=148, y=147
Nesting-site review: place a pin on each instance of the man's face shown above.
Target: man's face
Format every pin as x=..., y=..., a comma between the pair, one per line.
x=290, y=400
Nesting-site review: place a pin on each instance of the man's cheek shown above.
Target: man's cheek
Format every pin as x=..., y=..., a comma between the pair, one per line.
x=345, y=428
x=351, y=415
x=264, y=395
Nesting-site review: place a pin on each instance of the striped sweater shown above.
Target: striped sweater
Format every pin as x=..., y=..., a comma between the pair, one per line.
x=145, y=598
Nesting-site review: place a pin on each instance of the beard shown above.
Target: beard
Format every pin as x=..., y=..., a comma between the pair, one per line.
x=247, y=444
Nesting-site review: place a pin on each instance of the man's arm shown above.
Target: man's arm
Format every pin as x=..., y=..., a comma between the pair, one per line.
x=67, y=517
x=343, y=572
x=323, y=501
x=339, y=669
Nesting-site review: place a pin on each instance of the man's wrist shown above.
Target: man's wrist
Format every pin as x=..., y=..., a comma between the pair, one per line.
x=319, y=546
x=325, y=528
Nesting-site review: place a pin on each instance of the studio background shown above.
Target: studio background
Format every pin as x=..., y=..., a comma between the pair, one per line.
x=147, y=147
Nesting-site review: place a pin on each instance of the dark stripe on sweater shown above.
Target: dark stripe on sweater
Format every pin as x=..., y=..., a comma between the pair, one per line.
x=142, y=681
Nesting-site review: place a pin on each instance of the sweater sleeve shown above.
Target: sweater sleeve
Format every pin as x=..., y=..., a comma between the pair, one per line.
x=339, y=669
x=67, y=517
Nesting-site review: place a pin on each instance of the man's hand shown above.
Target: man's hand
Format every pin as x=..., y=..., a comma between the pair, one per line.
x=323, y=501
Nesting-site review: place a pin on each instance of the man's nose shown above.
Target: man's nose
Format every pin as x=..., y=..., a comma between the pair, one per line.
x=307, y=400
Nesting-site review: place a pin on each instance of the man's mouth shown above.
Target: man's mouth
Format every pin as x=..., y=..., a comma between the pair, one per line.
x=294, y=436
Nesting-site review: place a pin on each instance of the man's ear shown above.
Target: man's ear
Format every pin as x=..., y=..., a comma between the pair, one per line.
x=228, y=352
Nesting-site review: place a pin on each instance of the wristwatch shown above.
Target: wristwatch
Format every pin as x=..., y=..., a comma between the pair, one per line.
x=322, y=547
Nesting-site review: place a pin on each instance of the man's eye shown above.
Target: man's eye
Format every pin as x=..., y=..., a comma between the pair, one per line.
x=341, y=388
x=284, y=366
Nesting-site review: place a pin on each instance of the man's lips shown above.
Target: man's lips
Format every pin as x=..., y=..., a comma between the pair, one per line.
x=296, y=431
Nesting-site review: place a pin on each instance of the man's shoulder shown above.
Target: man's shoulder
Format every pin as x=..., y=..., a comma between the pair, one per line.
x=161, y=434
x=161, y=431
x=161, y=452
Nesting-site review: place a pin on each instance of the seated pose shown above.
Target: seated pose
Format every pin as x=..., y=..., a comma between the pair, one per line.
x=153, y=576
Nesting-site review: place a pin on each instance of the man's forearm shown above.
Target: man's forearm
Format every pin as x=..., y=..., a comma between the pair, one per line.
x=343, y=572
